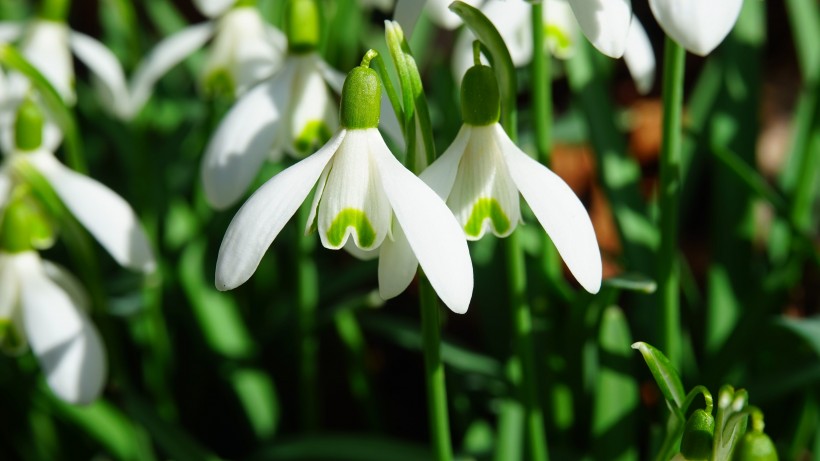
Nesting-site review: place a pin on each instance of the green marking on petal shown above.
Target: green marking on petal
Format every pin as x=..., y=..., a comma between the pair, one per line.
x=558, y=36
x=316, y=133
x=357, y=219
x=487, y=208
x=219, y=82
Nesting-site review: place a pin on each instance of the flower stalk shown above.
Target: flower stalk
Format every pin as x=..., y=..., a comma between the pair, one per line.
x=670, y=182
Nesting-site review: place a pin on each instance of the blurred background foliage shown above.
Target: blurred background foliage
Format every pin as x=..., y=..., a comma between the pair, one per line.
x=198, y=374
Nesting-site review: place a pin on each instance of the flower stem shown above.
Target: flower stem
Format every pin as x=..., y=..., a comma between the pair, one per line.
x=668, y=277
x=308, y=290
x=434, y=372
x=542, y=116
x=522, y=326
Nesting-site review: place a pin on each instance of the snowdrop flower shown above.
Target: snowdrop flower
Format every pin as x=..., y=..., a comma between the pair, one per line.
x=697, y=25
x=483, y=172
x=43, y=306
x=245, y=50
x=293, y=112
x=106, y=215
x=48, y=45
x=364, y=198
x=512, y=20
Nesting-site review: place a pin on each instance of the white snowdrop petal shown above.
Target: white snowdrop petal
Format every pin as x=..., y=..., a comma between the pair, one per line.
x=213, y=8
x=433, y=234
x=560, y=212
x=102, y=62
x=441, y=174
x=243, y=47
x=358, y=253
x=62, y=338
x=165, y=55
x=243, y=140
x=483, y=196
x=353, y=203
x=512, y=19
x=561, y=28
x=263, y=216
x=605, y=23
x=45, y=45
x=640, y=58
x=10, y=31
x=105, y=214
x=397, y=264
x=312, y=113
x=697, y=25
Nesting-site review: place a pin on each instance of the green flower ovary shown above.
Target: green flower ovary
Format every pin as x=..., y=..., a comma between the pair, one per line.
x=315, y=134
x=487, y=208
x=357, y=219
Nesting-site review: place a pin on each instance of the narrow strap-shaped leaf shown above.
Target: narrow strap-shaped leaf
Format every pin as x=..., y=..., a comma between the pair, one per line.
x=665, y=375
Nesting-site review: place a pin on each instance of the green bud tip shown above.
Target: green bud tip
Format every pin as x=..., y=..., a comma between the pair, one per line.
x=361, y=97
x=698, y=435
x=302, y=24
x=480, y=99
x=28, y=126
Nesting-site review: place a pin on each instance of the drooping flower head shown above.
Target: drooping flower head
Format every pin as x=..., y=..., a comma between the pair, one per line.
x=364, y=198
x=245, y=50
x=42, y=306
x=483, y=172
x=291, y=112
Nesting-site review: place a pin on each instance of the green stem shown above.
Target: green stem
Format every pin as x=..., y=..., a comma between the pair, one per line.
x=668, y=277
x=434, y=372
x=522, y=325
x=55, y=10
x=307, y=297
x=542, y=116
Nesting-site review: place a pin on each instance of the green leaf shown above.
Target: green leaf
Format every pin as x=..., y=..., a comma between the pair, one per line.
x=616, y=393
x=664, y=373
x=416, y=112
x=216, y=312
x=500, y=57
x=808, y=329
x=348, y=447
x=632, y=282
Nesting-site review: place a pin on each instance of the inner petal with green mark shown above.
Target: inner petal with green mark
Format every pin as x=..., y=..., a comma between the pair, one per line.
x=315, y=134
x=487, y=209
x=357, y=220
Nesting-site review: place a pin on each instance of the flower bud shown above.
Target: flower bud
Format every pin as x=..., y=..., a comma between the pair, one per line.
x=24, y=227
x=302, y=25
x=361, y=99
x=755, y=446
x=28, y=126
x=480, y=100
x=698, y=434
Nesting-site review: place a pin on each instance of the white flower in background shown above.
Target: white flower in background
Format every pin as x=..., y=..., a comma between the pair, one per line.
x=291, y=112
x=364, y=198
x=42, y=305
x=697, y=25
x=245, y=50
x=483, y=172
x=407, y=13
x=512, y=20
x=48, y=46
x=106, y=215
